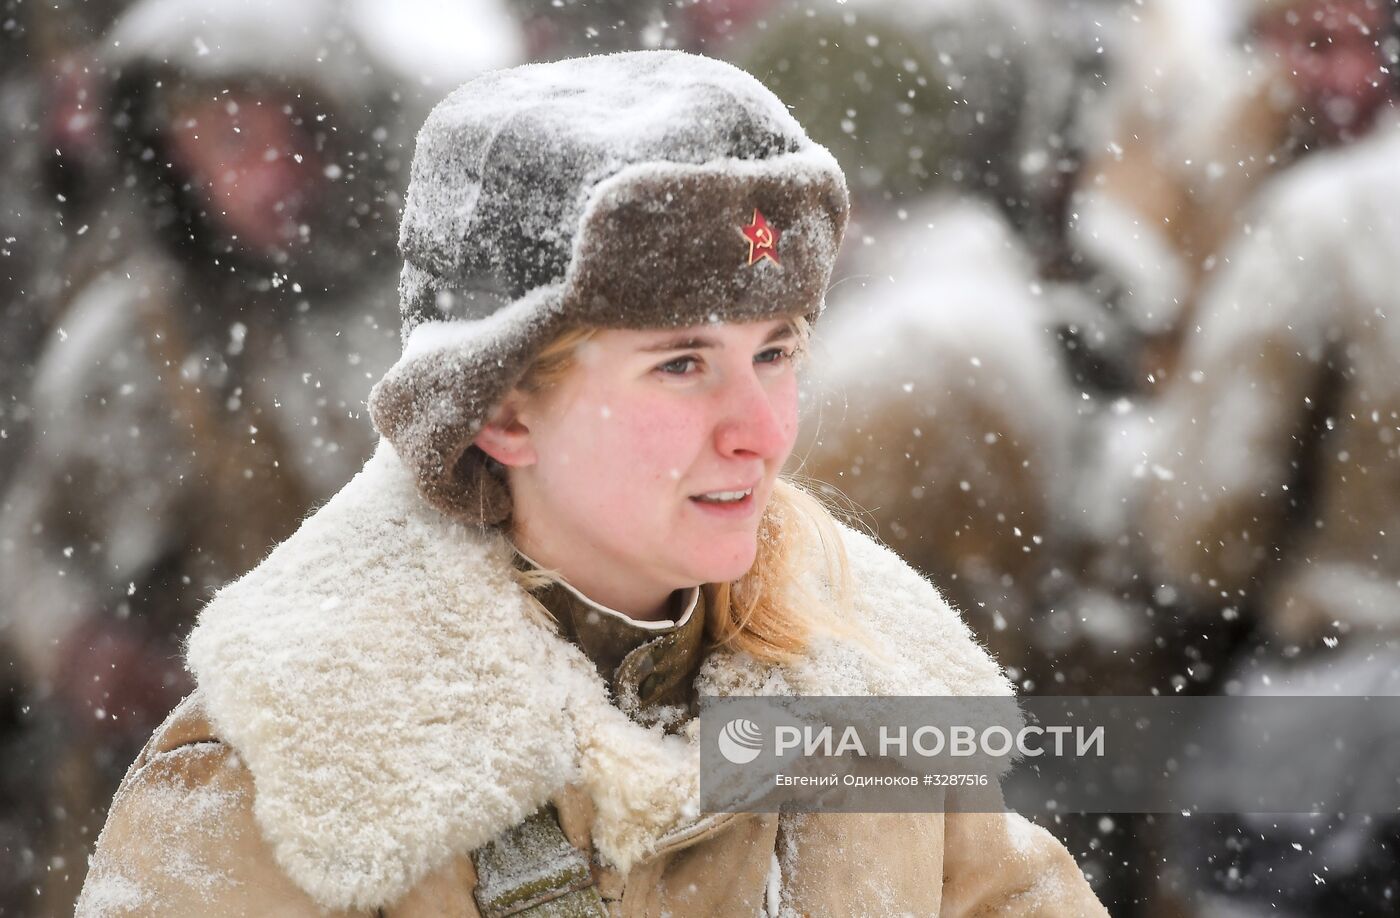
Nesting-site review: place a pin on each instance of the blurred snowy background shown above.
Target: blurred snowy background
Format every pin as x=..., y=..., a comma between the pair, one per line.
x=1112, y=353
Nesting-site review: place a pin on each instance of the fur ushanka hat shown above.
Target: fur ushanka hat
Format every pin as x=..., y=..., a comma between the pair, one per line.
x=651, y=189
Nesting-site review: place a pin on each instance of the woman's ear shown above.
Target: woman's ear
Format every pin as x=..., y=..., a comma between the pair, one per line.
x=505, y=438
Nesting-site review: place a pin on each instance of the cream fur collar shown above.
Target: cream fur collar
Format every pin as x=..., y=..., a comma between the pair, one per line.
x=399, y=704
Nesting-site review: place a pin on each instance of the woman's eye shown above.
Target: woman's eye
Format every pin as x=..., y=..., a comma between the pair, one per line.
x=678, y=367
x=690, y=363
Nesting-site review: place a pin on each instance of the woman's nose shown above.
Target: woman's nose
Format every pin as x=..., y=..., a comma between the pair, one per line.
x=756, y=421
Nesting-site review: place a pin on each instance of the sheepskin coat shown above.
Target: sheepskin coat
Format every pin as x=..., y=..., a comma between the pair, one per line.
x=377, y=700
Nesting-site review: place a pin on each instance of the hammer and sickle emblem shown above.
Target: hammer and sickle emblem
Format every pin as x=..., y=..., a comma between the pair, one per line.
x=763, y=239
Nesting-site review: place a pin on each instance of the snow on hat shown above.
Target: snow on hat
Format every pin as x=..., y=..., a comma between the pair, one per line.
x=649, y=189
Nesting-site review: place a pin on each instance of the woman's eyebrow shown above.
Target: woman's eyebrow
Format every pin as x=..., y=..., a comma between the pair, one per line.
x=699, y=342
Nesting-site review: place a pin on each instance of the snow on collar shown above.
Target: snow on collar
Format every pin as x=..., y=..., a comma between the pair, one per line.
x=380, y=673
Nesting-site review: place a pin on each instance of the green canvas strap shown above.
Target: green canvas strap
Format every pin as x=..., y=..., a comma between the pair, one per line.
x=533, y=871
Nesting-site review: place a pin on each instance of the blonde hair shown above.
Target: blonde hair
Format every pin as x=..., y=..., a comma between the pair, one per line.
x=770, y=613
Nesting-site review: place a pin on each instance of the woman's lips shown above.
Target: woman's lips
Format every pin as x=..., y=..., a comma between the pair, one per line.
x=728, y=509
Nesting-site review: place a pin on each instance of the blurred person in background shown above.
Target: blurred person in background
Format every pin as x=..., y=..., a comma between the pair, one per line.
x=49, y=167
x=1219, y=114
x=238, y=298
x=1214, y=107
x=1251, y=274
x=1208, y=100
x=1272, y=488
x=1276, y=443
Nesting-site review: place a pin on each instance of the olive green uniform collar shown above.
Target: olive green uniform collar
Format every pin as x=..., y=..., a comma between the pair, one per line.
x=646, y=664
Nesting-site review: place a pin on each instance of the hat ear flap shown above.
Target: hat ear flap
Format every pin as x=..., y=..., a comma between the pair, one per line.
x=453, y=475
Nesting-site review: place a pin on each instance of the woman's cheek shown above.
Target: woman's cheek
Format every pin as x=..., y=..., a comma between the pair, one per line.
x=664, y=437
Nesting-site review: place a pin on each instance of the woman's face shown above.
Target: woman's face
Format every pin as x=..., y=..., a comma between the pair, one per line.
x=653, y=459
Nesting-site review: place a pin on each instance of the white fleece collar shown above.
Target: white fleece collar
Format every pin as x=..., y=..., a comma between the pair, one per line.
x=399, y=703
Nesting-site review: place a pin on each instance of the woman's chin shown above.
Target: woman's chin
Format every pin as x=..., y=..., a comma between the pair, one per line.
x=713, y=564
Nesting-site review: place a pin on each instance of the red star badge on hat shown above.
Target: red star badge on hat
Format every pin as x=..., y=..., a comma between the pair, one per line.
x=763, y=239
